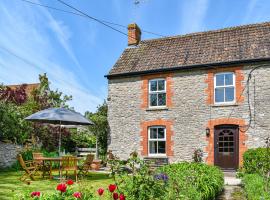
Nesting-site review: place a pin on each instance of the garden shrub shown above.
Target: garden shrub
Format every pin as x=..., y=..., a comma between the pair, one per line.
x=193, y=181
x=136, y=180
x=256, y=161
x=255, y=187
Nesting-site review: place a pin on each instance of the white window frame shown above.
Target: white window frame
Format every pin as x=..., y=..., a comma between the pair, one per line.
x=156, y=140
x=157, y=92
x=225, y=86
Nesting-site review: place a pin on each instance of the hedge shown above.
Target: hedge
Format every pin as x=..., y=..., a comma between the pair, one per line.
x=196, y=181
x=256, y=161
x=255, y=187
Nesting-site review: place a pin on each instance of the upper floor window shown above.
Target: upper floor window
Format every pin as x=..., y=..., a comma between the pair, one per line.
x=157, y=92
x=224, y=87
x=157, y=140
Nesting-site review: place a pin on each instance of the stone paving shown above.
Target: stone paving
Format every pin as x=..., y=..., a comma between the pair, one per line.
x=232, y=189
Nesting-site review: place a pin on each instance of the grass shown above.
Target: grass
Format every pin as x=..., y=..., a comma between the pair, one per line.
x=10, y=185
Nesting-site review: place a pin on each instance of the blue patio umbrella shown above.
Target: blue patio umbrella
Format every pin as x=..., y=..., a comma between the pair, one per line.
x=59, y=116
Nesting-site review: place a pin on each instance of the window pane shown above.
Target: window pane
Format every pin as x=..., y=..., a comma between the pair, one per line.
x=220, y=80
x=229, y=94
x=153, y=133
x=228, y=79
x=161, y=85
x=153, y=99
x=153, y=147
x=161, y=133
x=162, y=99
x=153, y=85
x=219, y=95
x=161, y=147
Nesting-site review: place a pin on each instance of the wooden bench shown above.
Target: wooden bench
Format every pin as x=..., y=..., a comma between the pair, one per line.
x=83, y=152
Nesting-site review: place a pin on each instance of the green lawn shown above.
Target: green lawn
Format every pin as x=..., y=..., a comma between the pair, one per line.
x=10, y=184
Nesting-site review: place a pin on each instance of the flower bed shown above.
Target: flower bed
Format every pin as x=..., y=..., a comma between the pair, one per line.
x=193, y=181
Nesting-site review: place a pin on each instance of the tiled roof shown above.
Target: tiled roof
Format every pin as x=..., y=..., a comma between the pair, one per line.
x=226, y=45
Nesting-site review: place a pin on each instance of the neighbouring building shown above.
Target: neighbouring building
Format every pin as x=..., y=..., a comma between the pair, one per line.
x=210, y=90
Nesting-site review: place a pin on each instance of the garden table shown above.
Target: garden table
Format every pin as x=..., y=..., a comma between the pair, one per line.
x=52, y=160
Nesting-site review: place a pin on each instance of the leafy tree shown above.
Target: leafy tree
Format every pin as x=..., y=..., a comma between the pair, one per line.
x=16, y=104
x=100, y=128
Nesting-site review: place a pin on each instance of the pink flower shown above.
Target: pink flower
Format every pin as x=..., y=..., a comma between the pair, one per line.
x=35, y=194
x=77, y=195
x=122, y=197
x=69, y=182
x=115, y=196
x=100, y=191
x=62, y=187
x=112, y=187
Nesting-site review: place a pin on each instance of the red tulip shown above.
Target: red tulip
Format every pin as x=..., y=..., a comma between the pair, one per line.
x=35, y=194
x=112, y=187
x=69, y=182
x=77, y=195
x=62, y=187
x=100, y=191
x=115, y=196
x=122, y=197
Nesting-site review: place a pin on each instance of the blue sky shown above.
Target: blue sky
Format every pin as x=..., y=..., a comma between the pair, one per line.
x=76, y=52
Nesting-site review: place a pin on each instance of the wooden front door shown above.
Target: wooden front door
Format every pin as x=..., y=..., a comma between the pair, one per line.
x=226, y=144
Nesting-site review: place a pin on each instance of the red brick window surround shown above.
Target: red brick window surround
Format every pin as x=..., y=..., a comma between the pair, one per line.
x=145, y=89
x=210, y=139
x=239, y=77
x=167, y=124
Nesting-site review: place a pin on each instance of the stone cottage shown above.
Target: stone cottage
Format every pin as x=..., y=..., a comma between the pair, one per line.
x=209, y=90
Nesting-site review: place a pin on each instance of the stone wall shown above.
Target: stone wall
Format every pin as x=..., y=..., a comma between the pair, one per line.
x=190, y=112
x=8, y=154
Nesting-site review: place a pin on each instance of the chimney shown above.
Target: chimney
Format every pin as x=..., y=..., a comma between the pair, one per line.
x=134, y=34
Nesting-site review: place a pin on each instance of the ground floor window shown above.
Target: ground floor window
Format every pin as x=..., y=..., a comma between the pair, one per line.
x=157, y=140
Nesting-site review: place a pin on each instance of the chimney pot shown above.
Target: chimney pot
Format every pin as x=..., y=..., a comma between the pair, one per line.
x=134, y=34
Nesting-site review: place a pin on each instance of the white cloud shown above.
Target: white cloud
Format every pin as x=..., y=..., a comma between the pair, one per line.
x=26, y=34
x=192, y=15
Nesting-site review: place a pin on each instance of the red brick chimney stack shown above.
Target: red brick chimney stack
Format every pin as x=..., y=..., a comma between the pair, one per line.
x=134, y=34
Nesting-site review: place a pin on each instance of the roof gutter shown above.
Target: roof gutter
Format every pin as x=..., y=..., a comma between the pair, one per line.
x=186, y=67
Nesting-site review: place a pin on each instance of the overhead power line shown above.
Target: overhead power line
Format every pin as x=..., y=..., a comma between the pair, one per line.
x=81, y=15
x=108, y=25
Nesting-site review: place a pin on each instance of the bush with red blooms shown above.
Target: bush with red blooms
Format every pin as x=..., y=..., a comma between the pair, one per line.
x=65, y=191
x=35, y=194
x=112, y=187
x=69, y=182
x=77, y=195
x=62, y=187
x=100, y=191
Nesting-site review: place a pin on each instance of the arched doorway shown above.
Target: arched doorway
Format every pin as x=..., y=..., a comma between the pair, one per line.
x=226, y=146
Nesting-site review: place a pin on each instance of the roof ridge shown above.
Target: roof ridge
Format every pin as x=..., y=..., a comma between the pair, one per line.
x=208, y=32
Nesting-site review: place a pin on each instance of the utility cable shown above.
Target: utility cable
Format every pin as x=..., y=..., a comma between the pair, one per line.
x=81, y=15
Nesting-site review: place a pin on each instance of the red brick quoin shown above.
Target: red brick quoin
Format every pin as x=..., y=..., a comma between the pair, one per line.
x=242, y=137
x=169, y=133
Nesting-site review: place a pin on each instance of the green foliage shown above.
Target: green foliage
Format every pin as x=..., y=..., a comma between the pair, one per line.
x=13, y=127
x=100, y=128
x=194, y=181
x=256, y=161
x=254, y=186
x=135, y=179
x=83, y=138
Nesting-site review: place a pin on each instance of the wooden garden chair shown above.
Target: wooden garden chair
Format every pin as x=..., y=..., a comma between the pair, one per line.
x=29, y=168
x=69, y=163
x=86, y=166
x=40, y=165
